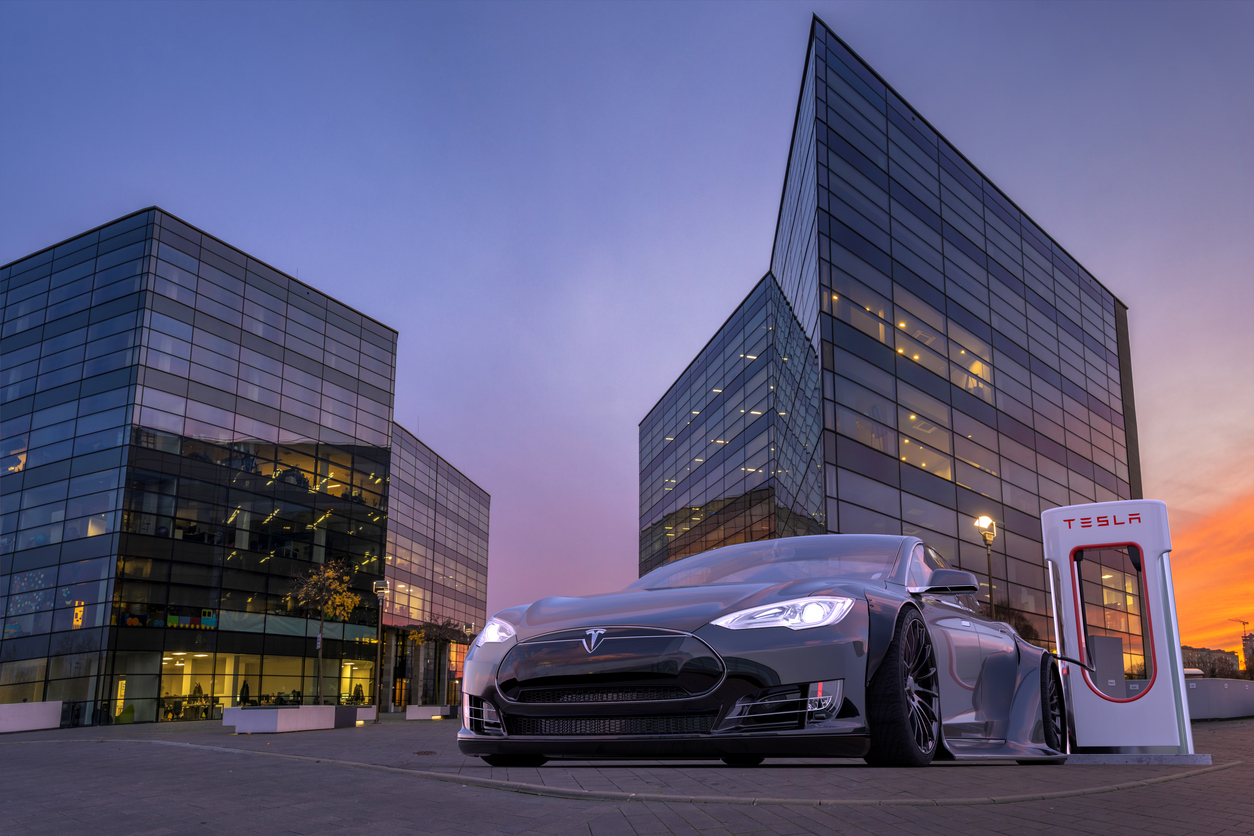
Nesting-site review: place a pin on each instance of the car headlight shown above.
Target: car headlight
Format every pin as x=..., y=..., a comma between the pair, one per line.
x=798, y=614
x=495, y=630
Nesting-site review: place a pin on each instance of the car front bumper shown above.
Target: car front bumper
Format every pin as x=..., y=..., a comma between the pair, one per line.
x=766, y=702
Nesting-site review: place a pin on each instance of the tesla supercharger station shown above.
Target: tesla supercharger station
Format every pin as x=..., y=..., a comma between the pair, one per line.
x=1110, y=582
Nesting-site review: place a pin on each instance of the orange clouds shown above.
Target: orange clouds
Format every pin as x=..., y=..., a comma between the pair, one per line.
x=1212, y=562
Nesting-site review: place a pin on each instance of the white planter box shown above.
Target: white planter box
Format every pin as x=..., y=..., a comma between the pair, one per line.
x=28, y=716
x=278, y=720
x=429, y=712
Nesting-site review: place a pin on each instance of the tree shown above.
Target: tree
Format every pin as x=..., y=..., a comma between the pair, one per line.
x=325, y=587
x=1026, y=629
x=447, y=630
x=441, y=634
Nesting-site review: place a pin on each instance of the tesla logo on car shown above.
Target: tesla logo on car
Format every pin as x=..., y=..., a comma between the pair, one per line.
x=1088, y=522
x=594, y=638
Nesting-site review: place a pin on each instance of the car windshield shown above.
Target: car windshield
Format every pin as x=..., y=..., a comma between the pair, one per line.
x=859, y=557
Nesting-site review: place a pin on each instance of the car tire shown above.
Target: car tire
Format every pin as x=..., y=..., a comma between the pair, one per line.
x=903, y=699
x=742, y=760
x=1053, y=707
x=514, y=760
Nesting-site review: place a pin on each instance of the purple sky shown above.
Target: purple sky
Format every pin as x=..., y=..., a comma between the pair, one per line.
x=557, y=205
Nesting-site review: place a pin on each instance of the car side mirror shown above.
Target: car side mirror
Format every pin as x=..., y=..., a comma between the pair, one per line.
x=952, y=582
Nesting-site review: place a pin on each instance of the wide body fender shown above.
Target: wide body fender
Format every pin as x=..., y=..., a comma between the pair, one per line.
x=1020, y=700
x=883, y=610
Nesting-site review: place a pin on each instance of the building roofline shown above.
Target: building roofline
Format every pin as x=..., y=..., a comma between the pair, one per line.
x=697, y=356
x=816, y=20
x=441, y=458
x=783, y=189
x=952, y=147
x=80, y=235
x=155, y=208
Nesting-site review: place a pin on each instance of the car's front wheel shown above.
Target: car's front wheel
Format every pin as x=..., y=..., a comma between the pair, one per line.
x=903, y=699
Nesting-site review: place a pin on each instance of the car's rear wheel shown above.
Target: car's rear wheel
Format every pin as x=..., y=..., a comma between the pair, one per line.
x=515, y=760
x=1053, y=707
x=742, y=760
x=903, y=699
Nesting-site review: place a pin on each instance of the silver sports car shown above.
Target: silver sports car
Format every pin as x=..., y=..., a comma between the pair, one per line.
x=838, y=645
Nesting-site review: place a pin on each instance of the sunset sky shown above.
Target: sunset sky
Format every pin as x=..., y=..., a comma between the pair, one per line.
x=1208, y=592
x=558, y=204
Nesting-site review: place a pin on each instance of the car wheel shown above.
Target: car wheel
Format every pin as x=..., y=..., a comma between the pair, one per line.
x=742, y=760
x=1053, y=708
x=903, y=700
x=514, y=760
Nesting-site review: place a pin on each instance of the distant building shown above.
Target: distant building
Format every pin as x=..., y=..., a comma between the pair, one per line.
x=920, y=353
x=1247, y=649
x=1212, y=663
x=185, y=429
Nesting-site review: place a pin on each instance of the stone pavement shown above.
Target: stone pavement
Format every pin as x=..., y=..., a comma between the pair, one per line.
x=407, y=777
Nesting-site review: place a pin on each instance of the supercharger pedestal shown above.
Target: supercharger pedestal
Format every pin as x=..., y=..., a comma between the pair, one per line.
x=1114, y=608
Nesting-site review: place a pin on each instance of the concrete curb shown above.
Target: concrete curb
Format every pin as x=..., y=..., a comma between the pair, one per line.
x=606, y=795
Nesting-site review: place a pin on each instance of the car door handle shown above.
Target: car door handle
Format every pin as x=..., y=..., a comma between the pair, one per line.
x=966, y=624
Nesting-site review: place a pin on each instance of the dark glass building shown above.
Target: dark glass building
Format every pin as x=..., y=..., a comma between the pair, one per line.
x=437, y=562
x=733, y=451
x=186, y=429
x=964, y=363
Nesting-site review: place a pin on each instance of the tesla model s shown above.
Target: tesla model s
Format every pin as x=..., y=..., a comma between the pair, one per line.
x=838, y=645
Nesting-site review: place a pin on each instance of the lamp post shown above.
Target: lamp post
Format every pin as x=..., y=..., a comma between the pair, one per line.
x=381, y=589
x=988, y=530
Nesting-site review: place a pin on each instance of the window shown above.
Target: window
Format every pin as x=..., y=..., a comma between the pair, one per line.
x=1114, y=616
x=923, y=562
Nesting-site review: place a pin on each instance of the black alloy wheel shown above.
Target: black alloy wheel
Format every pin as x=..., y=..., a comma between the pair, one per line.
x=742, y=760
x=1053, y=708
x=515, y=760
x=903, y=700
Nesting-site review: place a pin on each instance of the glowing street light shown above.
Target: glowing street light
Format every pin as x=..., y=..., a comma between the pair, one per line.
x=381, y=590
x=988, y=530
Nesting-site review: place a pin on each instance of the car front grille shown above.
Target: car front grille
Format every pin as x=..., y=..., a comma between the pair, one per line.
x=590, y=726
x=559, y=695
x=614, y=664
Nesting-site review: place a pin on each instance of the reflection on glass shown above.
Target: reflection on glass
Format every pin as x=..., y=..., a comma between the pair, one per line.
x=925, y=458
x=871, y=433
x=920, y=428
x=1111, y=589
x=914, y=350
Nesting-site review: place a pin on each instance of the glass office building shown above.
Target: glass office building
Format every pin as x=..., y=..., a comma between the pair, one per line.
x=969, y=366
x=733, y=451
x=185, y=429
x=437, y=562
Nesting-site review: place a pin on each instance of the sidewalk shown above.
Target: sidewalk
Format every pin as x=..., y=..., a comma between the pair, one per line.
x=408, y=777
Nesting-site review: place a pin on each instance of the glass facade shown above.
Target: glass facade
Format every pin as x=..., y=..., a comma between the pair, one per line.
x=437, y=561
x=731, y=452
x=969, y=365
x=185, y=429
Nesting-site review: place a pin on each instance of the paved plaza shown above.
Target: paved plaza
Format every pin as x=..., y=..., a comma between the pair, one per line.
x=408, y=777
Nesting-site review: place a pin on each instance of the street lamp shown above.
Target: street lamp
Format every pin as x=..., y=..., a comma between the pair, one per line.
x=381, y=589
x=988, y=530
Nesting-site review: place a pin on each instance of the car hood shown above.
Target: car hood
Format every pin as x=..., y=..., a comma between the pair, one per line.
x=687, y=608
